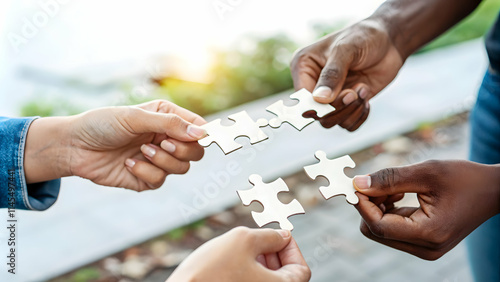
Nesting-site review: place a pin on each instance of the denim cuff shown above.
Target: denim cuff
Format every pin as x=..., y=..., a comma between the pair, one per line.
x=14, y=192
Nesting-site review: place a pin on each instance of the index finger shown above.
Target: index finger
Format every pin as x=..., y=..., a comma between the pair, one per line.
x=162, y=106
x=304, y=78
x=305, y=69
x=185, y=114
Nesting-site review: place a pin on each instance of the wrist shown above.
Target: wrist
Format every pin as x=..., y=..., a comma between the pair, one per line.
x=47, y=153
x=386, y=18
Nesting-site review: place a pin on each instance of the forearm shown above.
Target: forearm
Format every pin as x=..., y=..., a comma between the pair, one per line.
x=413, y=23
x=47, y=153
x=496, y=186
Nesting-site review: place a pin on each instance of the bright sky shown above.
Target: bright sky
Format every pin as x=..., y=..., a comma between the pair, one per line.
x=79, y=34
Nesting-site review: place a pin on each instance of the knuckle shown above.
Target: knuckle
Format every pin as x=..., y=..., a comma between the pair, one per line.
x=183, y=168
x=174, y=121
x=388, y=177
x=433, y=172
x=351, y=127
x=440, y=240
x=164, y=106
x=435, y=168
x=435, y=164
x=240, y=232
x=303, y=275
x=189, y=152
x=199, y=153
x=331, y=73
x=364, y=230
x=142, y=188
x=347, y=126
x=157, y=180
x=327, y=123
x=128, y=113
x=432, y=256
x=377, y=230
x=307, y=273
x=299, y=55
x=181, y=150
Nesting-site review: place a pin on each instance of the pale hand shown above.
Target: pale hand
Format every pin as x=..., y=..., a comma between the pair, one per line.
x=133, y=147
x=244, y=254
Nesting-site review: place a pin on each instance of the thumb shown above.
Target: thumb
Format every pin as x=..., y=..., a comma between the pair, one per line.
x=270, y=240
x=332, y=77
x=142, y=121
x=390, y=181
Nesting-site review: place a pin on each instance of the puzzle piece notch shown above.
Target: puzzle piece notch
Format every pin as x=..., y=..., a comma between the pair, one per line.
x=333, y=170
x=267, y=195
x=293, y=114
x=224, y=136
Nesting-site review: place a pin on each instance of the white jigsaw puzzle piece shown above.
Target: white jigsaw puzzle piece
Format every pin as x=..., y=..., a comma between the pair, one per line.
x=333, y=170
x=293, y=114
x=267, y=195
x=224, y=135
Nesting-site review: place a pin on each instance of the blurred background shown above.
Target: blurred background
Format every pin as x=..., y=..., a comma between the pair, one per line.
x=215, y=58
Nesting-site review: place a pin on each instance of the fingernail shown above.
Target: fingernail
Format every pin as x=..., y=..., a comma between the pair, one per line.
x=363, y=93
x=148, y=150
x=362, y=182
x=284, y=233
x=322, y=92
x=196, y=131
x=130, y=163
x=349, y=98
x=167, y=146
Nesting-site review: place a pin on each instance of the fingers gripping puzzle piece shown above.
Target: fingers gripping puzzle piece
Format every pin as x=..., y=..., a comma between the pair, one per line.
x=267, y=195
x=333, y=170
x=224, y=135
x=293, y=114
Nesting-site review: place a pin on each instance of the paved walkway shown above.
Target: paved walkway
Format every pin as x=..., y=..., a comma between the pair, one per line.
x=89, y=222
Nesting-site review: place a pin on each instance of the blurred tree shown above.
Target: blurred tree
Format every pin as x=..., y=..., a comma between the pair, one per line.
x=474, y=26
x=49, y=107
x=256, y=69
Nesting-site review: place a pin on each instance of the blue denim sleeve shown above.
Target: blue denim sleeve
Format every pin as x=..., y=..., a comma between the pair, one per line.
x=14, y=192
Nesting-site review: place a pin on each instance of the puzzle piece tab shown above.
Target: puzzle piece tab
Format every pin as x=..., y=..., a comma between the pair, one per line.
x=267, y=195
x=224, y=135
x=333, y=170
x=293, y=114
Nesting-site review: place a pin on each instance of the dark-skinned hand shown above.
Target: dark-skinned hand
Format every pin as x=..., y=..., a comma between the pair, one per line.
x=346, y=69
x=455, y=197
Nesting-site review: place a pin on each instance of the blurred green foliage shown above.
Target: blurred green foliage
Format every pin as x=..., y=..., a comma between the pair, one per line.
x=49, y=107
x=86, y=274
x=242, y=76
x=474, y=26
x=256, y=68
x=179, y=233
